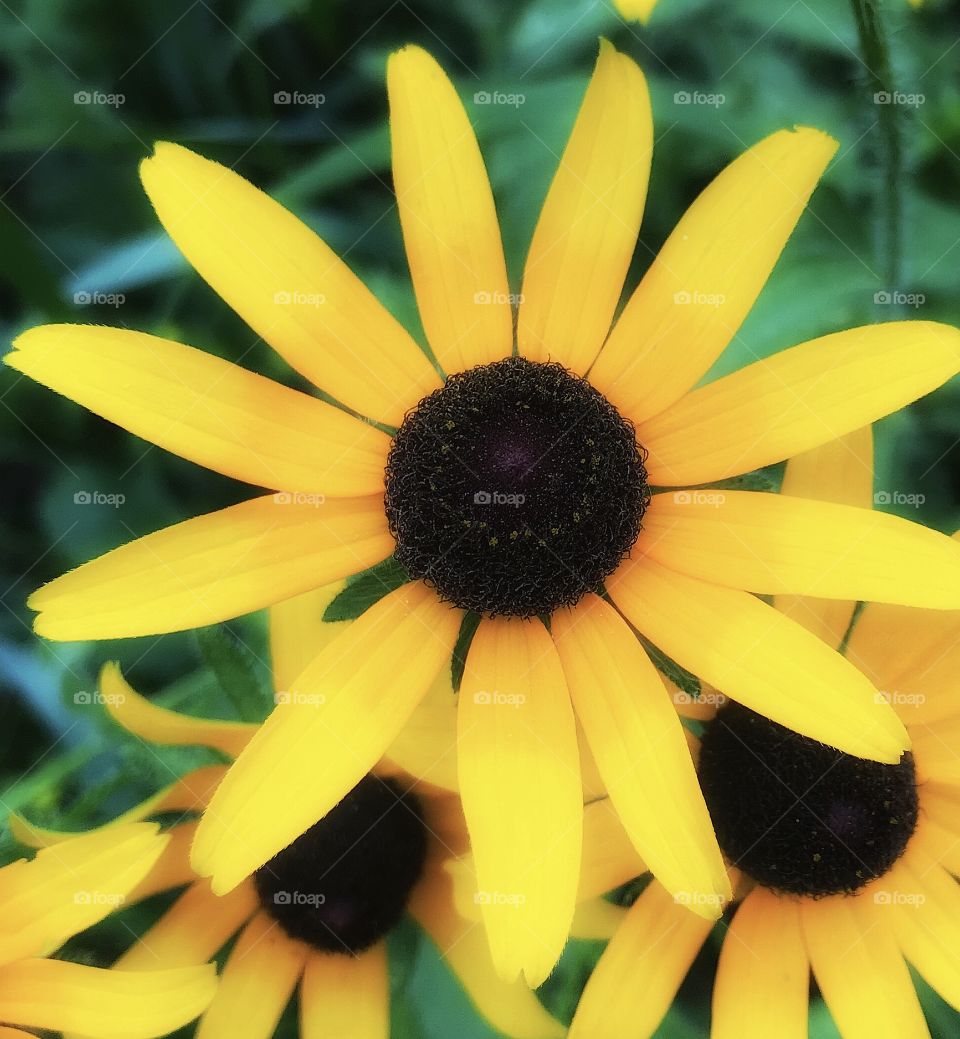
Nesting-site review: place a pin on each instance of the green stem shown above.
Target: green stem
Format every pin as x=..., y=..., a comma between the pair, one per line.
x=875, y=53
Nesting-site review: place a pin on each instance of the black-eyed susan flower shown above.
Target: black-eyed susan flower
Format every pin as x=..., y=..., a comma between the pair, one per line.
x=512, y=478
x=315, y=917
x=60, y=892
x=845, y=867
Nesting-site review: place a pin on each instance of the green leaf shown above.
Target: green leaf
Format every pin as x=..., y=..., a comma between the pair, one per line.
x=235, y=668
x=768, y=480
x=471, y=622
x=366, y=589
x=680, y=676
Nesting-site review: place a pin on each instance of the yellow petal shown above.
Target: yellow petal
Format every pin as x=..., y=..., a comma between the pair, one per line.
x=346, y=996
x=911, y=655
x=759, y=657
x=797, y=399
x=588, y=226
x=520, y=784
x=298, y=632
x=446, y=826
x=108, y=1004
x=638, y=9
x=763, y=978
x=256, y=984
x=156, y=724
x=450, y=227
x=206, y=410
x=172, y=869
x=609, y=857
x=213, y=568
x=638, y=742
x=939, y=835
x=426, y=747
x=937, y=752
x=860, y=969
x=192, y=930
x=597, y=920
x=840, y=471
x=341, y=715
x=638, y=975
x=287, y=284
x=188, y=794
x=70, y=886
x=510, y=1007
x=774, y=543
x=924, y=905
x=706, y=276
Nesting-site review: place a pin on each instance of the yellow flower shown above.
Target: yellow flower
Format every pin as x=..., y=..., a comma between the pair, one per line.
x=61, y=892
x=517, y=487
x=318, y=913
x=846, y=867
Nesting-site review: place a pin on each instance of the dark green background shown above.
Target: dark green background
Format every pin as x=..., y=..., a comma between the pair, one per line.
x=74, y=220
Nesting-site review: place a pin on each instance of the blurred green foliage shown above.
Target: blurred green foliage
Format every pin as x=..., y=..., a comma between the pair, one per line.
x=74, y=224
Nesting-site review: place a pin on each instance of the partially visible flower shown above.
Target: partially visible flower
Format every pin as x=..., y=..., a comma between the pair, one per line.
x=843, y=867
x=63, y=891
x=316, y=916
x=635, y=9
